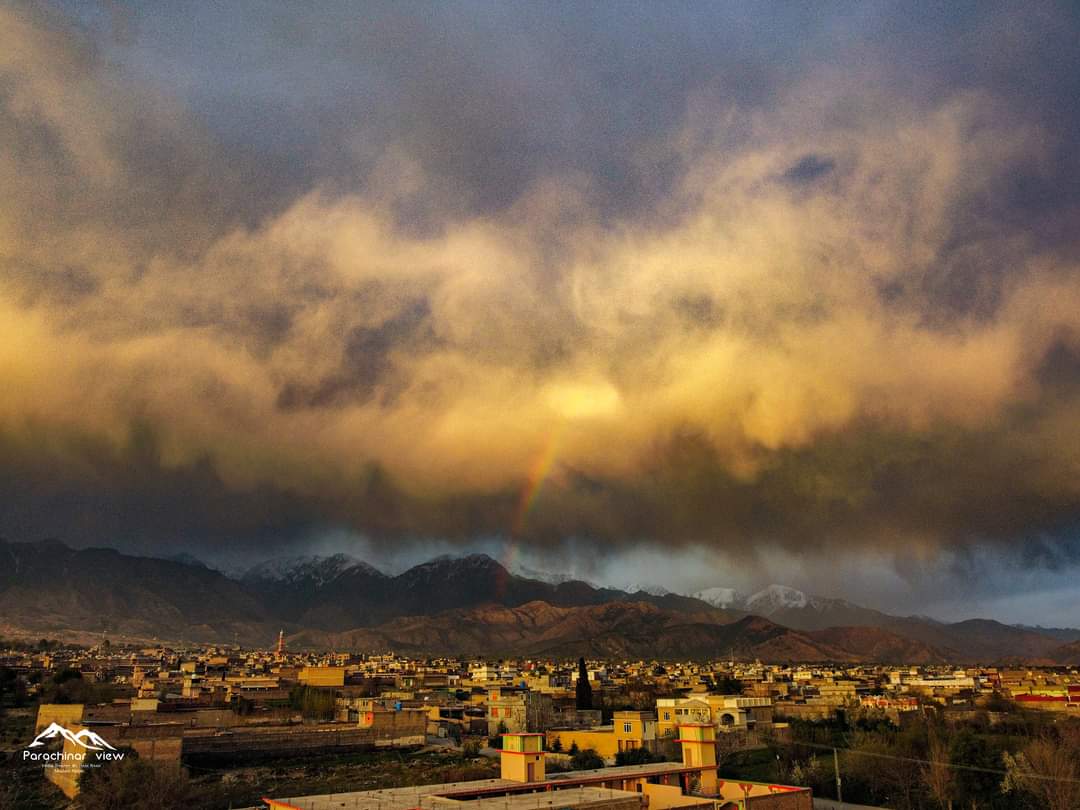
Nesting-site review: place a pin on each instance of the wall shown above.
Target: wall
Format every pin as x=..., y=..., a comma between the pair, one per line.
x=603, y=742
x=782, y=801
x=66, y=714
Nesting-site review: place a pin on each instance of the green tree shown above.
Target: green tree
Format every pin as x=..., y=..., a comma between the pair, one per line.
x=584, y=690
x=635, y=756
x=977, y=788
x=586, y=760
x=312, y=702
x=496, y=741
x=727, y=685
x=69, y=686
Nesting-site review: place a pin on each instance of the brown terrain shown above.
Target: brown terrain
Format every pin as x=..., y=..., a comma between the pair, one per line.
x=467, y=606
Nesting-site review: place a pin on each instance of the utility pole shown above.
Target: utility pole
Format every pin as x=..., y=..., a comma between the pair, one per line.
x=836, y=768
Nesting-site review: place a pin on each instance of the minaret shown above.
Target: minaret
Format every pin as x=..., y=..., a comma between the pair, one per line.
x=280, y=643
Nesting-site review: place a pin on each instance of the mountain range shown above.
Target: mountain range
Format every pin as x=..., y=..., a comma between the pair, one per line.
x=471, y=605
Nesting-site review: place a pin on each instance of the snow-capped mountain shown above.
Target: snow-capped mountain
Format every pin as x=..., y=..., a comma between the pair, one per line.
x=454, y=565
x=727, y=598
x=652, y=590
x=773, y=598
x=801, y=611
x=793, y=608
x=313, y=569
x=549, y=577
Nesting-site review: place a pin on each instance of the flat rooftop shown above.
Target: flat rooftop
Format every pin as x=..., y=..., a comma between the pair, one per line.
x=429, y=797
x=571, y=789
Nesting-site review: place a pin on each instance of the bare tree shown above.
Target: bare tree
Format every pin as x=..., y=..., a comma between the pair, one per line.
x=937, y=775
x=728, y=743
x=1048, y=769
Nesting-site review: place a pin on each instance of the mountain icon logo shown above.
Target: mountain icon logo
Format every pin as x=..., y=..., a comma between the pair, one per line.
x=85, y=738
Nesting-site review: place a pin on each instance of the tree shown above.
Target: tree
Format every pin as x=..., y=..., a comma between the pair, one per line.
x=938, y=774
x=313, y=702
x=556, y=746
x=133, y=784
x=1048, y=770
x=727, y=685
x=976, y=788
x=584, y=690
x=68, y=686
x=496, y=741
x=727, y=744
x=635, y=756
x=586, y=760
x=11, y=686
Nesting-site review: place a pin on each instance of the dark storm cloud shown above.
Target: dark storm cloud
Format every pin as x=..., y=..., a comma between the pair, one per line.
x=809, y=169
x=732, y=275
x=367, y=362
x=489, y=98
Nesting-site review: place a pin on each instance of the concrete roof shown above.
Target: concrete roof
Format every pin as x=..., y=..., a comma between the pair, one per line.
x=428, y=797
x=519, y=796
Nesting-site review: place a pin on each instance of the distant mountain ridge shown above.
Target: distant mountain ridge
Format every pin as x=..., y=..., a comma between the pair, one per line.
x=313, y=567
x=339, y=593
x=794, y=608
x=619, y=630
x=48, y=586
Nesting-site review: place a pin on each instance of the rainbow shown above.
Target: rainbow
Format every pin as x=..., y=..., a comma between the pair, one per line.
x=539, y=472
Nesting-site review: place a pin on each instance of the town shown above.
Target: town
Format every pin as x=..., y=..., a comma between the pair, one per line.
x=277, y=728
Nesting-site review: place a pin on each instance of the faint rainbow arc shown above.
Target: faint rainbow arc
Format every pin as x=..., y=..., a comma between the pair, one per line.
x=539, y=472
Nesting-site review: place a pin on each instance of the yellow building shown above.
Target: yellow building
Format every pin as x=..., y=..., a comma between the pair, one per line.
x=628, y=730
x=522, y=757
x=698, y=741
x=652, y=786
x=322, y=676
x=725, y=712
x=672, y=712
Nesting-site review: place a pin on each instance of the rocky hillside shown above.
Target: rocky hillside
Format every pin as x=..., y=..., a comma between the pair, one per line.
x=467, y=605
x=616, y=630
x=45, y=587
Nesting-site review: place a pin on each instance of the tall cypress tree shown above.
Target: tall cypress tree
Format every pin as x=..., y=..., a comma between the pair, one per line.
x=584, y=691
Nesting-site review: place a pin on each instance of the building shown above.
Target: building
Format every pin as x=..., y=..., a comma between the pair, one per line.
x=322, y=676
x=524, y=785
x=628, y=730
x=518, y=711
x=725, y=712
x=521, y=758
x=161, y=742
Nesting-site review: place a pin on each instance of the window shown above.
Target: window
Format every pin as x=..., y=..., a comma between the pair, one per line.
x=627, y=727
x=667, y=715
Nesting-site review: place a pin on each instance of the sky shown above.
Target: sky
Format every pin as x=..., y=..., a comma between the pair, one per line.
x=690, y=294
